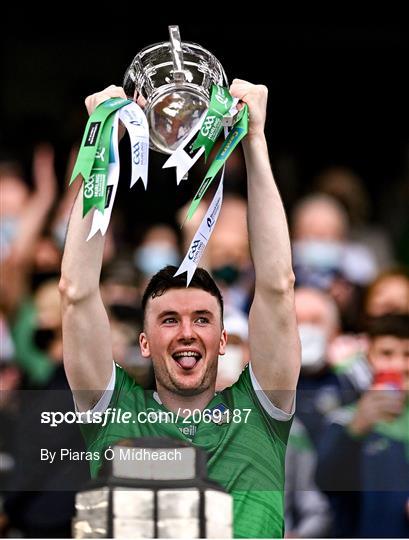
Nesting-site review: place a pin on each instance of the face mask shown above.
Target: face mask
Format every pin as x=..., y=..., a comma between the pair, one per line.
x=313, y=347
x=153, y=257
x=229, y=274
x=8, y=231
x=230, y=365
x=318, y=254
x=317, y=263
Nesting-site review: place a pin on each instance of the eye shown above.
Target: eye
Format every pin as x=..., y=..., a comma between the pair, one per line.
x=202, y=320
x=169, y=320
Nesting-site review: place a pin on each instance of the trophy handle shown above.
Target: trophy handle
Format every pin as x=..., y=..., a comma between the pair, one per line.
x=177, y=54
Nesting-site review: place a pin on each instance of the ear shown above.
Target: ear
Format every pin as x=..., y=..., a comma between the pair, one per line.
x=144, y=345
x=223, y=342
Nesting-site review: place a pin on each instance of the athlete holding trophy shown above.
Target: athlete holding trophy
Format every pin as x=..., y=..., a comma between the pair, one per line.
x=244, y=429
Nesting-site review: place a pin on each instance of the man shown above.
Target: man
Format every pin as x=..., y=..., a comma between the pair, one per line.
x=183, y=335
x=363, y=456
x=323, y=387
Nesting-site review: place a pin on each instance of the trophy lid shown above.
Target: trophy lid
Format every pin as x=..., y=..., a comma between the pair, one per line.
x=153, y=458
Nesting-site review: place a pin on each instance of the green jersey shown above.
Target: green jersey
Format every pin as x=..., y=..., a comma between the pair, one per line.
x=246, y=448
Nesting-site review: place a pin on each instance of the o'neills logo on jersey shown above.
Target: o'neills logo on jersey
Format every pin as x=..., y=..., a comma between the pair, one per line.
x=220, y=414
x=92, y=134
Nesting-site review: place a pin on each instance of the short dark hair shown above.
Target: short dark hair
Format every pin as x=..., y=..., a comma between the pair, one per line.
x=393, y=324
x=165, y=279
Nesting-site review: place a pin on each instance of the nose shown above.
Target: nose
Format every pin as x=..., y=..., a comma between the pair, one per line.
x=187, y=332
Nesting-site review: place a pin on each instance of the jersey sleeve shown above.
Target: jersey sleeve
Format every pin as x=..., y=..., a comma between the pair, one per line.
x=97, y=421
x=247, y=390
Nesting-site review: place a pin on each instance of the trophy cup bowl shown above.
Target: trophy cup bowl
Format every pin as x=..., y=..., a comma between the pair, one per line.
x=175, y=79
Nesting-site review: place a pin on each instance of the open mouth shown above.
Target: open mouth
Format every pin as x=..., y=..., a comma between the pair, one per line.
x=187, y=359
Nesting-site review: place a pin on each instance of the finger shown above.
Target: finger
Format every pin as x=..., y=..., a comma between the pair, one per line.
x=92, y=101
x=116, y=91
x=239, y=91
x=140, y=100
x=241, y=81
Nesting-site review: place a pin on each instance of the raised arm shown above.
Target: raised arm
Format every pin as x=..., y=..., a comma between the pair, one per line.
x=86, y=330
x=273, y=335
x=18, y=264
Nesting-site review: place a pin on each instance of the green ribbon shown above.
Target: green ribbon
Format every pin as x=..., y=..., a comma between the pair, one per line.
x=93, y=157
x=237, y=133
x=220, y=104
x=95, y=185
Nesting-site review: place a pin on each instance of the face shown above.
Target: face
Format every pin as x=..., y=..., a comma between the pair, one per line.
x=229, y=243
x=14, y=195
x=390, y=354
x=319, y=221
x=183, y=336
x=391, y=295
x=312, y=309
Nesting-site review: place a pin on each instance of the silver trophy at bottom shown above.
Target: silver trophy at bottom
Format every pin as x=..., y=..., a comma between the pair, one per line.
x=153, y=488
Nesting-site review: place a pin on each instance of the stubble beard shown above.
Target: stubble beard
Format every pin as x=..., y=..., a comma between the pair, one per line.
x=167, y=381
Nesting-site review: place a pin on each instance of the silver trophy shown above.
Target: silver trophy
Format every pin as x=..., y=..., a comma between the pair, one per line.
x=175, y=79
x=137, y=496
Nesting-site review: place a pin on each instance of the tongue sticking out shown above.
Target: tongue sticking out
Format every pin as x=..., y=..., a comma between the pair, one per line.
x=187, y=362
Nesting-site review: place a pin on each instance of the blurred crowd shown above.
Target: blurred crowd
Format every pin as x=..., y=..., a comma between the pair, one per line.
x=348, y=454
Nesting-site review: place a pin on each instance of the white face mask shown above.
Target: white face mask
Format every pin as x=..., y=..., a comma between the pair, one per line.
x=152, y=257
x=313, y=347
x=318, y=254
x=230, y=366
x=9, y=226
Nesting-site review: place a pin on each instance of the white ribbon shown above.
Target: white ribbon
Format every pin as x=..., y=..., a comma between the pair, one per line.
x=202, y=235
x=180, y=158
x=136, y=124
x=183, y=162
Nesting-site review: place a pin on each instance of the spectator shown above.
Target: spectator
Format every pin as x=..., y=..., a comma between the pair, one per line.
x=159, y=247
x=325, y=257
x=229, y=254
x=25, y=216
x=389, y=293
x=41, y=503
x=320, y=388
x=363, y=460
x=348, y=189
x=237, y=352
x=10, y=381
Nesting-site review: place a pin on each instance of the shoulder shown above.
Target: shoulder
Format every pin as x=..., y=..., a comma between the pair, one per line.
x=246, y=392
x=125, y=385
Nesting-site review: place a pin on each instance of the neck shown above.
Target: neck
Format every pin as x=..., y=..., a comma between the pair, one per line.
x=184, y=405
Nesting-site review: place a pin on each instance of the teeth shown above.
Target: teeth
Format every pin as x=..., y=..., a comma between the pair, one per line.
x=186, y=353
